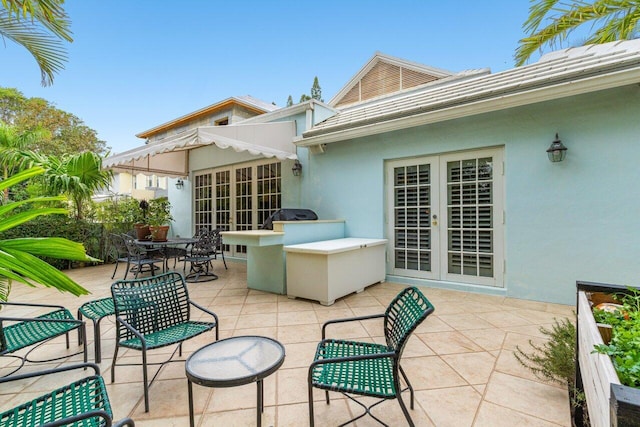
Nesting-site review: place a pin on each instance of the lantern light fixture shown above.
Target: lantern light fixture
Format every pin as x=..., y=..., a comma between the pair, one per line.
x=297, y=168
x=557, y=151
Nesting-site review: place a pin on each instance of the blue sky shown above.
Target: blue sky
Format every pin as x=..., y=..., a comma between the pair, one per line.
x=136, y=64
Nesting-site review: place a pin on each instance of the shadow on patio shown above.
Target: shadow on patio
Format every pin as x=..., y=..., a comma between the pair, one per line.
x=460, y=360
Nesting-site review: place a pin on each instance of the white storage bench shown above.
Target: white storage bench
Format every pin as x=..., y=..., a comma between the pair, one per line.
x=330, y=269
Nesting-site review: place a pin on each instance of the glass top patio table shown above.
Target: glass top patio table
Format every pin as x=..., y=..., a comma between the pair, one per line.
x=234, y=361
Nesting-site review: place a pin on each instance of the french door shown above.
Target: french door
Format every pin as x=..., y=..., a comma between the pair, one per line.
x=445, y=217
x=238, y=197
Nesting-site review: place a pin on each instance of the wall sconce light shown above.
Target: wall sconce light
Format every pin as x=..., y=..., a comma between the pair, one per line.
x=557, y=151
x=297, y=168
x=179, y=184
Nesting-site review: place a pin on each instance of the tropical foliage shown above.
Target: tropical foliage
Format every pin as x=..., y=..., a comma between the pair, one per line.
x=40, y=26
x=12, y=146
x=19, y=257
x=77, y=176
x=610, y=20
x=64, y=132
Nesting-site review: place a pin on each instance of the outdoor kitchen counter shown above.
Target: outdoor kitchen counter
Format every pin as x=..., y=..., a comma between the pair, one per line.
x=327, y=270
x=266, y=264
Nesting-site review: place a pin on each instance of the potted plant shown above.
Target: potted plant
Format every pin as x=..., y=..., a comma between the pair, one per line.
x=610, y=371
x=142, y=226
x=159, y=216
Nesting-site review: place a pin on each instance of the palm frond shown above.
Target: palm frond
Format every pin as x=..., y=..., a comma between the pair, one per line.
x=5, y=288
x=610, y=14
x=22, y=217
x=31, y=270
x=53, y=247
x=47, y=49
x=21, y=176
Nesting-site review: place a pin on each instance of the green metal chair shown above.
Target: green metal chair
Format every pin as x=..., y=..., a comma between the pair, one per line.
x=96, y=310
x=17, y=333
x=81, y=403
x=155, y=312
x=368, y=369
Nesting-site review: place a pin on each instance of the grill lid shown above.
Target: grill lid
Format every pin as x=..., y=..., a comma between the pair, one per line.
x=289, y=215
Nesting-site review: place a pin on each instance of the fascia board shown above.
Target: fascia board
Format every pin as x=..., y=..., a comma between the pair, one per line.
x=561, y=90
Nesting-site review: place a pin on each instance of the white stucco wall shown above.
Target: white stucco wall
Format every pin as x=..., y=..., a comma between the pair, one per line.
x=575, y=220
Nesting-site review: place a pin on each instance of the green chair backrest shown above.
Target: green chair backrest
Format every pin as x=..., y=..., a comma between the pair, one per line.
x=403, y=315
x=151, y=304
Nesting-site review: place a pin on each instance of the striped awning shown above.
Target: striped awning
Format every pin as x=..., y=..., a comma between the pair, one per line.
x=169, y=157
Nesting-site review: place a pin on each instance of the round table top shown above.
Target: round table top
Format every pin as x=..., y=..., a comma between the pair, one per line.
x=235, y=361
x=171, y=241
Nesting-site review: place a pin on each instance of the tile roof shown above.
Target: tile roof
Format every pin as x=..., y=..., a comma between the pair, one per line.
x=552, y=70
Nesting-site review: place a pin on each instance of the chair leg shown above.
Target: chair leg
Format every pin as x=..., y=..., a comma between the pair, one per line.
x=311, y=420
x=404, y=409
x=406, y=379
x=114, y=271
x=96, y=340
x=113, y=363
x=145, y=379
x=80, y=337
x=83, y=327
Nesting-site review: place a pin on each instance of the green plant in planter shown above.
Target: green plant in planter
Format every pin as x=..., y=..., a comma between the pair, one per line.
x=624, y=347
x=159, y=217
x=159, y=212
x=555, y=361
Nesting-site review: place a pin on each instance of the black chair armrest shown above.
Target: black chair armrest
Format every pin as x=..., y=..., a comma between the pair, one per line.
x=215, y=316
x=93, y=366
x=198, y=306
x=41, y=319
x=124, y=422
x=27, y=304
x=84, y=416
x=349, y=319
x=133, y=330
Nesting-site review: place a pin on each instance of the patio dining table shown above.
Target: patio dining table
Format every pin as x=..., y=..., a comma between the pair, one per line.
x=163, y=245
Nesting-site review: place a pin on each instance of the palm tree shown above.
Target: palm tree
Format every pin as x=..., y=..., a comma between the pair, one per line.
x=78, y=176
x=12, y=147
x=40, y=26
x=19, y=257
x=611, y=20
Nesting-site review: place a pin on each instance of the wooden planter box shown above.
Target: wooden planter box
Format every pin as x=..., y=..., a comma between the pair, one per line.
x=609, y=403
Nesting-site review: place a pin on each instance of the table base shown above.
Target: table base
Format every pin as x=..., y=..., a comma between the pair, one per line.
x=259, y=406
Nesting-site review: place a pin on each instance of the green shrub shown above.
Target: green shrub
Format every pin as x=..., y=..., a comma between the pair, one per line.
x=555, y=361
x=91, y=235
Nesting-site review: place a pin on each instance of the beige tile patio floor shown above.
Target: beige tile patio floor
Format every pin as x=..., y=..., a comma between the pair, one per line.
x=460, y=360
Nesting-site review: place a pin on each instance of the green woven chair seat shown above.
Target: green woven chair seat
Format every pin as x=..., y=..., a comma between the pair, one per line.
x=370, y=377
x=171, y=335
x=80, y=397
x=376, y=372
x=23, y=334
x=98, y=309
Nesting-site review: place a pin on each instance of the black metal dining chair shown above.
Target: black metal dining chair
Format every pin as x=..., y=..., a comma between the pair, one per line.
x=141, y=260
